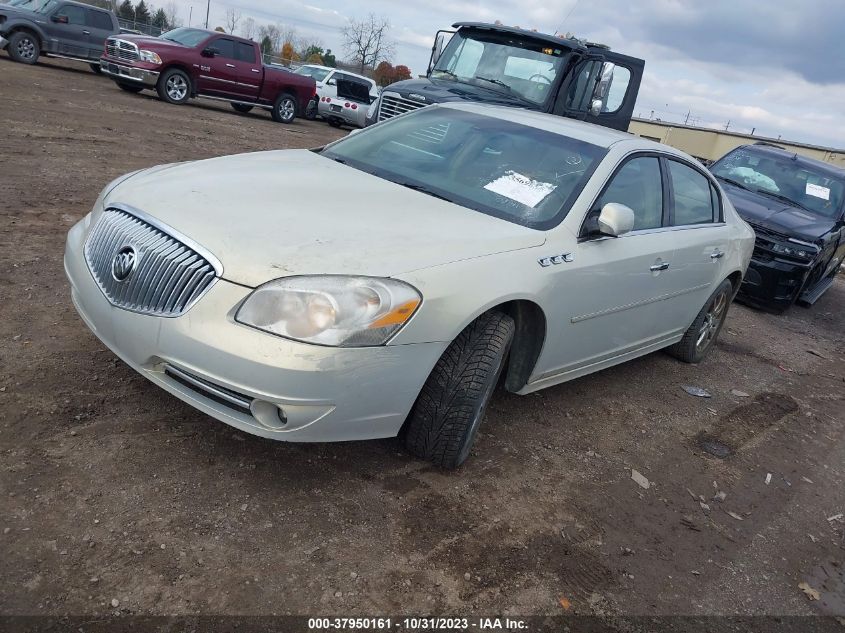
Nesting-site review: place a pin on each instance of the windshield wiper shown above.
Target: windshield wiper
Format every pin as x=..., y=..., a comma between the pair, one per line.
x=735, y=183
x=498, y=82
x=445, y=72
x=421, y=189
x=783, y=198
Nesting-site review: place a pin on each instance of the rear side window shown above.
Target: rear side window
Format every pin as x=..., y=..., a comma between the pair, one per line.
x=245, y=52
x=693, y=193
x=225, y=48
x=638, y=185
x=99, y=20
x=75, y=15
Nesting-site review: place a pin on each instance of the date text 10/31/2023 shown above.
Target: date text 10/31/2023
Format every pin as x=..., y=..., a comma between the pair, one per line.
x=417, y=624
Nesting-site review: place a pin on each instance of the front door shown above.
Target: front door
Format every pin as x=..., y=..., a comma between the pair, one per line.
x=607, y=299
x=68, y=31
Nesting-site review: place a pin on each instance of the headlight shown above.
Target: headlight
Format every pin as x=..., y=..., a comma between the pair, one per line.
x=150, y=56
x=339, y=311
x=793, y=250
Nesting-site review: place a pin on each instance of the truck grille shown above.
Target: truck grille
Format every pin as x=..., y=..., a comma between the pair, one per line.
x=393, y=105
x=142, y=268
x=121, y=49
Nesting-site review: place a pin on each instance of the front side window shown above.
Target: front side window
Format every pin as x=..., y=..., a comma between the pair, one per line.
x=784, y=179
x=74, y=14
x=515, y=172
x=618, y=88
x=525, y=69
x=693, y=195
x=638, y=185
x=223, y=47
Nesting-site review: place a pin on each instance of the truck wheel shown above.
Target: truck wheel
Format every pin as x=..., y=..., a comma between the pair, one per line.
x=174, y=86
x=240, y=107
x=134, y=89
x=96, y=68
x=24, y=47
x=702, y=334
x=284, y=109
x=446, y=416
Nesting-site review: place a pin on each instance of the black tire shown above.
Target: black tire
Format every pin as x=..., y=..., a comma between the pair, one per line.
x=699, y=339
x=334, y=122
x=284, y=109
x=445, y=419
x=174, y=86
x=240, y=107
x=96, y=68
x=311, y=110
x=134, y=89
x=24, y=47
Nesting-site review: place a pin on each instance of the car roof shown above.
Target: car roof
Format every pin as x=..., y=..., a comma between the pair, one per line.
x=587, y=132
x=776, y=151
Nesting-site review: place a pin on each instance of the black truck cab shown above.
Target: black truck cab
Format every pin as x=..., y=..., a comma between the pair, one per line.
x=492, y=63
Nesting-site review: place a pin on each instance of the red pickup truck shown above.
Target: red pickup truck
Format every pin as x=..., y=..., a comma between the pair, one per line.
x=185, y=63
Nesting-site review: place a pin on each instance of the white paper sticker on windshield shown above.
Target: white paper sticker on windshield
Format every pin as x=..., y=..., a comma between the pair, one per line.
x=818, y=191
x=521, y=188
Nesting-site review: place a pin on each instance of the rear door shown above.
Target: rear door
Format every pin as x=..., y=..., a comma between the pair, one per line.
x=68, y=28
x=100, y=26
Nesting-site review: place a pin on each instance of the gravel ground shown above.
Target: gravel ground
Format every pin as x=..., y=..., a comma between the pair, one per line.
x=115, y=496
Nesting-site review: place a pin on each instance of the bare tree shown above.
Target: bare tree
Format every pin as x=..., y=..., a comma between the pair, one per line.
x=248, y=28
x=290, y=35
x=233, y=17
x=367, y=41
x=171, y=10
x=273, y=33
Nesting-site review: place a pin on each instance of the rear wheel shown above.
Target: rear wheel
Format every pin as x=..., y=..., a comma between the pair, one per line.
x=240, y=107
x=24, y=47
x=129, y=87
x=174, y=86
x=334, y=122
x=445, y=419
x=702, y=334
x=284, y=109
x=96, y=68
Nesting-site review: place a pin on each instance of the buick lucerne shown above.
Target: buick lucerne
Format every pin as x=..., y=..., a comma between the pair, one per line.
x=467, y=244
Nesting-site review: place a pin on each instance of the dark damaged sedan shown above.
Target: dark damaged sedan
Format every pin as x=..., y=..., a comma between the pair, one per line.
x=795, y=206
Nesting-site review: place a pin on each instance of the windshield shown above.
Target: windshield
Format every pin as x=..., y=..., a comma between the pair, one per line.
x=312, y=71
x=48, y=6
x=782, y=178
x=515, y=172
x=524, y=68
x=186, y=36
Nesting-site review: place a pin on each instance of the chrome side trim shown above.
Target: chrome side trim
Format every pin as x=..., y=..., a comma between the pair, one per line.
x=637, y=304
x=249, y=103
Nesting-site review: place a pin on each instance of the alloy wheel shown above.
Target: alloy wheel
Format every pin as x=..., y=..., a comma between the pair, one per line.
x=712, y=321
x=177, y=87
x=26, y=48
x=287, y=109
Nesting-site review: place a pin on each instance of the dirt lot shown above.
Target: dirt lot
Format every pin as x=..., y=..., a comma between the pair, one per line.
x=113, y=490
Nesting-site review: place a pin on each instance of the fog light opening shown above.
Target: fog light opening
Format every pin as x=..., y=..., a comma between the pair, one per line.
x=283, y=418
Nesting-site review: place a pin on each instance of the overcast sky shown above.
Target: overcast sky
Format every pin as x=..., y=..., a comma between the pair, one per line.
x=774, y=65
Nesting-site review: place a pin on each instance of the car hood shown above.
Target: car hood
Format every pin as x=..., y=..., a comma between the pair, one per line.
x=150, y=43
x=444, y=90
x=273, y=214
x=777, y=216
x=15, y=12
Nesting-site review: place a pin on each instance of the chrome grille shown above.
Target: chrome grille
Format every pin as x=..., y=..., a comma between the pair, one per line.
x=121, y=49
x=393, y=105
x=168, y=275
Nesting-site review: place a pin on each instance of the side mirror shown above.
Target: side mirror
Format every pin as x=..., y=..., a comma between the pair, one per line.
x=209, y=52
x=596, y=106
x=602, y=88
x=61, y=19
x=615, y=219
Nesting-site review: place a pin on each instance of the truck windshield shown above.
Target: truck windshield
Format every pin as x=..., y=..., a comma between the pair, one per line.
x=783, y=179
x=46, y=7
x=526, y=68
x=519, y=173
x=186, y=36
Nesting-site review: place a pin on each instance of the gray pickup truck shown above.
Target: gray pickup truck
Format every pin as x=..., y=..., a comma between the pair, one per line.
x=56, y=28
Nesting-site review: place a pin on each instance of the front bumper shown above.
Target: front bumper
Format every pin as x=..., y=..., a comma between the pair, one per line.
x=142, y=76
x=245, y=377
x=771, y=283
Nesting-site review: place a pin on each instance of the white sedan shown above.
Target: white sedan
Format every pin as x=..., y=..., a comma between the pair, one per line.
x=465, y=242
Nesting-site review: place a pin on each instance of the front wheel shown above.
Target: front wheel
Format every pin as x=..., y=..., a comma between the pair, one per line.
x=24, y=47
x=284, y=109
x=445, y=419
x=174, y=86
x=311, y=110
x=702, y=334
x=241, y=107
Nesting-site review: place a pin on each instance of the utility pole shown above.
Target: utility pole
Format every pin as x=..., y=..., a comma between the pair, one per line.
x=727, y=125
x=686, y=120
x=207, y=9
x=190, y=14
x=752, y=131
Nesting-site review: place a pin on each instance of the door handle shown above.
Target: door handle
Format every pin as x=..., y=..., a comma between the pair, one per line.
x=86, y=32
x=230, y=65
x=661, y=266
x=717, y=254
x=255, y=70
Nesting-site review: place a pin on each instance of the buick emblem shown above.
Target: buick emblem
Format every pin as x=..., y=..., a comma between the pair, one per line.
x=124, y=263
